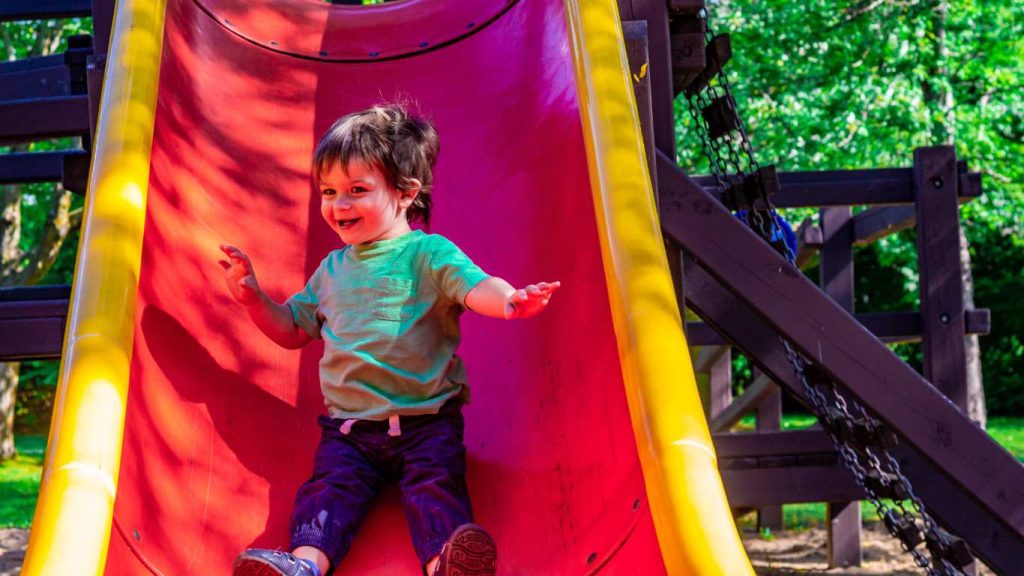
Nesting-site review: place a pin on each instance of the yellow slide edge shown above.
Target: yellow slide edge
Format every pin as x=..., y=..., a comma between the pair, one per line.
x=71, y=526
x=696, y=532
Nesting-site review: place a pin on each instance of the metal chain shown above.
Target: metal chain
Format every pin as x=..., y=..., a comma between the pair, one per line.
x=860, y=440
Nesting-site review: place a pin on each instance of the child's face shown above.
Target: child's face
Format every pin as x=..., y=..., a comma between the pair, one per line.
x=360, y=206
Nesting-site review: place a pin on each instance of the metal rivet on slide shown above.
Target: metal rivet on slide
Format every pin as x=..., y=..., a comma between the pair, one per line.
x=636, y=505
x=136, y=534
x=424, y=44
x=374, y=54
x=323, y=52
x=592, y=558
x=228, y=23
x=470, y=25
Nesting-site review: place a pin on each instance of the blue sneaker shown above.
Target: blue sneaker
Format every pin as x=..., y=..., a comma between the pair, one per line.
x=470, y=551
x=260, y=562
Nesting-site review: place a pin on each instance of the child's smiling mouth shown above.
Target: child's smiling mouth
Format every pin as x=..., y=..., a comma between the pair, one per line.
x=343, y=224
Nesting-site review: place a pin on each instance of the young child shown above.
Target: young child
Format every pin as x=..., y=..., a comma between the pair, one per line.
x=387, y=306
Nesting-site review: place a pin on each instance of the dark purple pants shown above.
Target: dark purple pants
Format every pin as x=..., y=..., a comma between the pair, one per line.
x=427, y=460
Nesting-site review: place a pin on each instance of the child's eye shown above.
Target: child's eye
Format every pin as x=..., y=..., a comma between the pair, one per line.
x=327, y=192
x=358, y=190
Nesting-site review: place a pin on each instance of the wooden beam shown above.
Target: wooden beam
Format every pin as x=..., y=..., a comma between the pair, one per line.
x=35, y=83
x=23, y=168
x=768, y=296
x=849, y=187
x=42, y=118
x=655, y=13
x=758, y=487
x=14, y=10
x=889, y=327
x=941, y=287
x=32, y=322
x=876, y=223
x=761, y=388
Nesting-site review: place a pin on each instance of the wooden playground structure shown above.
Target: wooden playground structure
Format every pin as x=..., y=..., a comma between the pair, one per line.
x=745, y=293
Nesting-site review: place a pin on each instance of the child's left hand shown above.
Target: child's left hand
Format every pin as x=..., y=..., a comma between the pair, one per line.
x=531, y=300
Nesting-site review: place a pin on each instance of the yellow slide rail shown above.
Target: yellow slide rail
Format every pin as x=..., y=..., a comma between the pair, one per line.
x=71, y=526
x=695, y=528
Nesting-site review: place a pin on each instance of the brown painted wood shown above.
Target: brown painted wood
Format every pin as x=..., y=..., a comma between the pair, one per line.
x=738, y=445
x=761, y=388
x=769, y=418
x=25, y=168
x=41, y=77
x=880, y=186
x=941, y=289
x=14, y=10
x=956, y=454
x=757, y=487
x=876, y=223
x=843, y=534
x=32, y=322
x=836, y=276
x=37, y=119
x=889, y=327
x=720, y=377
x=655, y=13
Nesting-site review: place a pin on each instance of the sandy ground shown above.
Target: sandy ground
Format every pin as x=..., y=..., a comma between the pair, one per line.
x=804, y=552
x=788, y=553
x=12, y=550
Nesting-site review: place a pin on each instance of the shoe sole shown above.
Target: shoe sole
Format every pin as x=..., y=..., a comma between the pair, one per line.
x=255, y=567
x=471, y=552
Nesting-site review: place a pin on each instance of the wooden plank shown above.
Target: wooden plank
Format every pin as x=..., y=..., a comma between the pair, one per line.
x=876, y=223
x=655, y=13
x=880, y=186
x=941, y=288
x=707, y=356
x=757, y=487
x=24, y=168
x=769, y=418
x=761, y=388
x=889, y=327
x=32, y=322
x=956, y=454
x=720, y=377
x=739, y=445
x=38, y=83
x=14, y=10
x=37, y=119
x=843, y=534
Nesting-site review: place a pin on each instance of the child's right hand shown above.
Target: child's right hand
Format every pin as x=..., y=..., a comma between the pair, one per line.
x=239, y=275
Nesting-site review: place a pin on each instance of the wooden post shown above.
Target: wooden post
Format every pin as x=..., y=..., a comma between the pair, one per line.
x=836, y=274
x=769, y=417
x=938, y=256
x=720, y=394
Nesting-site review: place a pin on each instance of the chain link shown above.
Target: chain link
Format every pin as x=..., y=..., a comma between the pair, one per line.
x=860, y=440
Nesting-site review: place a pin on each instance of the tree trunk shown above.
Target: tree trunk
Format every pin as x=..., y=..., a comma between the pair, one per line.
x=938, y=96
x=8, y=397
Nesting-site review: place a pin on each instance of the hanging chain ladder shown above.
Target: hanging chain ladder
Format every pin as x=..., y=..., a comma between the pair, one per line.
x=862, y=442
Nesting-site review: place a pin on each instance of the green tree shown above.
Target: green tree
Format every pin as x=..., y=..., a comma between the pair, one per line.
x=37, y=219
x=858, y=84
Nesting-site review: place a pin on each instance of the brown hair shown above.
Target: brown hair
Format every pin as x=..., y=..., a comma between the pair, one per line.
x=401, y=146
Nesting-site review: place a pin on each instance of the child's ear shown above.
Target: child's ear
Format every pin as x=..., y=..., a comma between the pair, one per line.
x=407, y=193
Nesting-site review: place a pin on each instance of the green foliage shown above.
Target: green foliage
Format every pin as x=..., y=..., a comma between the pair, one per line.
x=851, y=84
x=19, y=482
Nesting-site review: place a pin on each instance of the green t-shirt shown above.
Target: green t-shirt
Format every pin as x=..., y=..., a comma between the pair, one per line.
x=389, y=316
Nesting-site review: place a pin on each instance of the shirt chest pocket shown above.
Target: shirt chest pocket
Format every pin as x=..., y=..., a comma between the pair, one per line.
x=395, y=299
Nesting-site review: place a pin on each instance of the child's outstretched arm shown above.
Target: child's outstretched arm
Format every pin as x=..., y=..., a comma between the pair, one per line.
x=497, y=298
x=272, y=318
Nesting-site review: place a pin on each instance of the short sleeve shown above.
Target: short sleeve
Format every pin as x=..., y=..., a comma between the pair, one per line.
x=453, y=272
x=305, y=305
